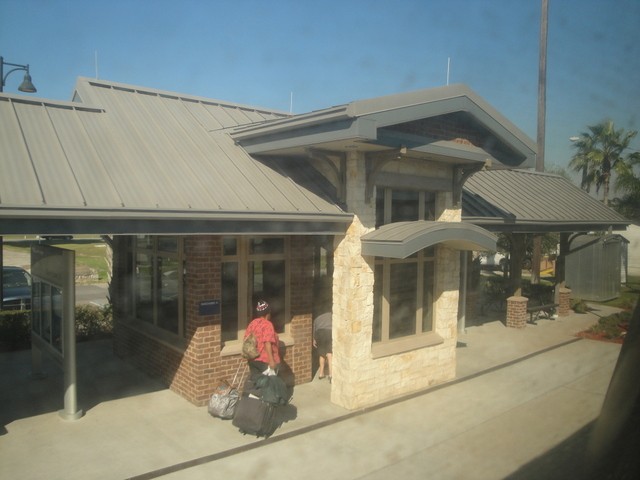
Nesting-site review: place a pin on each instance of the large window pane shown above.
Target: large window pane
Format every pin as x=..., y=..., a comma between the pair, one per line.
x=56, y=318
x=377, y=298
x=168, y=244
x=168, y=288
x=229, y=302
x=402, y=301
x=427, y=298
x=229, y=246
x=144, y=287
x=404, y=206
x=266, y=245
x=269, y=282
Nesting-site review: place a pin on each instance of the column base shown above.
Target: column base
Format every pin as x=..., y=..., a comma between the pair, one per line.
x=70, y=416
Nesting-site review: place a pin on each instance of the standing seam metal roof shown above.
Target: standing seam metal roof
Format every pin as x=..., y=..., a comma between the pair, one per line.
x=126, y=149
x=526, y=198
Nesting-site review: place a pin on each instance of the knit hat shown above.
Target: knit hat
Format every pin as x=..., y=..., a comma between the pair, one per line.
x=262, y=307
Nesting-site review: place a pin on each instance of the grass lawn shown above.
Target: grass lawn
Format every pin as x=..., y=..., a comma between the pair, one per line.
x=90, y=252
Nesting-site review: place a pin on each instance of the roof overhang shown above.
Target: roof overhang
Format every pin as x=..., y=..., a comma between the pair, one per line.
x=402, y=239
x=371, y=126
x=168, y=222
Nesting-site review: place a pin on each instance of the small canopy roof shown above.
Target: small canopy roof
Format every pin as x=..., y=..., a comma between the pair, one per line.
x=523, y=201
x=402, y=239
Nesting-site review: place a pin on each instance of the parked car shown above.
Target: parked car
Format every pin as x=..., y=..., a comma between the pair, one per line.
x=499, y=261
x=16, y=288
x=55, y=237
x=493, y=261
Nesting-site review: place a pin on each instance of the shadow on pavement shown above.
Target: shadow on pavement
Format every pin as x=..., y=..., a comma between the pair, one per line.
x=101, y=377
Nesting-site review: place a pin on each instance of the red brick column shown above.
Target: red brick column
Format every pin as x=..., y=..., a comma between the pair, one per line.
x=564, y=308
x=517, y=312
x=298, y=358
x=196, y=375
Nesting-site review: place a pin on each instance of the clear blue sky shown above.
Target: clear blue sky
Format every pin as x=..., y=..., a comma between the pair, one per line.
x=332, y=52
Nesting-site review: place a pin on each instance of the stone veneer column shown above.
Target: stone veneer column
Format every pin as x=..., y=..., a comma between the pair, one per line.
x=352, y=292
x=359, y=379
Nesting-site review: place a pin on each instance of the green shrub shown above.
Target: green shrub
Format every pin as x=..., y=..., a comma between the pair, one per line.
x=610, y=326
x=92, y=322
x=15, y=329
x=579, y=306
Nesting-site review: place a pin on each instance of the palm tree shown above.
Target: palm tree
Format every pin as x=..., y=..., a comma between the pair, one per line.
x=600, y=153
x=629, y=183
x=580, y=161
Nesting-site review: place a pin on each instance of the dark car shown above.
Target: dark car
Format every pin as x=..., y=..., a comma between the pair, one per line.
x=16, y=289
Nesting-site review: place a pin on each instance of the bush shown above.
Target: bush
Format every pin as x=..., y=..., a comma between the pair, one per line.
x=579, y=306
x=92, y=322
x=612, y=327
x=15, y=329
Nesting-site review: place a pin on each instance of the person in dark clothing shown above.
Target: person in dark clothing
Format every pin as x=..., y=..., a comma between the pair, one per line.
x=323, y=342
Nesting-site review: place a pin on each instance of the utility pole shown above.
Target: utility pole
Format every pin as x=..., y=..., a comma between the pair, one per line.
x=542, y=111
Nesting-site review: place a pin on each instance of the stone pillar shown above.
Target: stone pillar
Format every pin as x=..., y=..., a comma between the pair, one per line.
x=564, y=307
x=352, y=294
x=517, y=312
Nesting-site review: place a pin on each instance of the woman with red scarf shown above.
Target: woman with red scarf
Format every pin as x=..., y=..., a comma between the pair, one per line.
x=266, y=339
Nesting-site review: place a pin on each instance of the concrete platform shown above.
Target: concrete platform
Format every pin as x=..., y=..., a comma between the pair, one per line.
x=521, y=397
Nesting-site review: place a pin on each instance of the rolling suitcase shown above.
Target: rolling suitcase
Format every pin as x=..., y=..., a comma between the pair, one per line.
x=224, y=400
x=255, y=417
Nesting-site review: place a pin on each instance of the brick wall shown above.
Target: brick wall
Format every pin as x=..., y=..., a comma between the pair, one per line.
x=195, y=371
x=517, y=312
x=298, y=358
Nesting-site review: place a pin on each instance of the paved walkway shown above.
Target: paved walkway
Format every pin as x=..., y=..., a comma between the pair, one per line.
x=520, y=407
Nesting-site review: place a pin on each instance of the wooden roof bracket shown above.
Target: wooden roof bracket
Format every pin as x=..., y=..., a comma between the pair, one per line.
x=339, y=171
x=460, y=176
x=375, y=164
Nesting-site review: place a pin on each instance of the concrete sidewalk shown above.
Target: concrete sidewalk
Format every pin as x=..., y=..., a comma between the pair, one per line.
x=519, y=394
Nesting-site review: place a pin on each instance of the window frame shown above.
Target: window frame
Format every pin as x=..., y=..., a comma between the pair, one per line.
x=151, y=245
x=244, y=259
x=423, y=260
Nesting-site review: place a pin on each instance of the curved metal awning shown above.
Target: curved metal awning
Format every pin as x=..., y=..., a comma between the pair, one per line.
x=402, y=239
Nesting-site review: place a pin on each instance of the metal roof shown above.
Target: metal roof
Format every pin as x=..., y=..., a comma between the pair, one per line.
x=372, y=125
x=402, y=239
x=527, y=201
x=125, y=159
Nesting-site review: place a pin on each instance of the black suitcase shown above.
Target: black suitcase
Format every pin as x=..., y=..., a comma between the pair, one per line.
x=255, y=417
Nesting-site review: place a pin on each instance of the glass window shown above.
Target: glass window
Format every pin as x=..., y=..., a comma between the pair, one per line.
x=403, y=288
x=268, y=283
x=266, y=245
x=229, y=302
x=402, y=300
x=158, y=282
x=427, y=297
x=405, y=206
x=255, y=268
x=144, y=287
x=229, y=246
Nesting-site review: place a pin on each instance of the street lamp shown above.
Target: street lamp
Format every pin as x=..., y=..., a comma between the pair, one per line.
x=25, y=86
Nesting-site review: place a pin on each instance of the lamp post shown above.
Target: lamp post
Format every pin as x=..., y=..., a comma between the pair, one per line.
x=26, y=85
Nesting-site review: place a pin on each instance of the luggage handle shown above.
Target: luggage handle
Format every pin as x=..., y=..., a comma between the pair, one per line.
x=242, y=365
